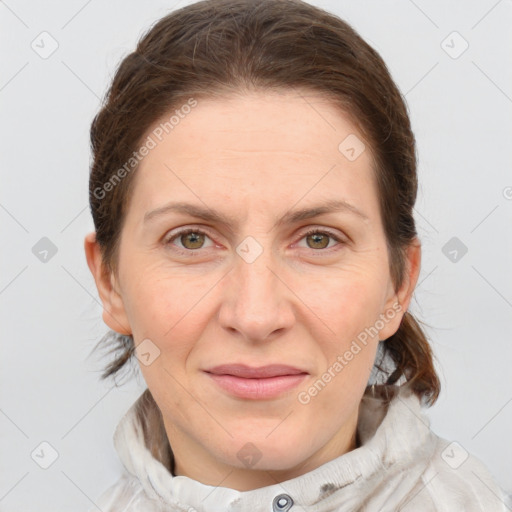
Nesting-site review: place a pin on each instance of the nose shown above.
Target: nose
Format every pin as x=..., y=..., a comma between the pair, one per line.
x=257, y=303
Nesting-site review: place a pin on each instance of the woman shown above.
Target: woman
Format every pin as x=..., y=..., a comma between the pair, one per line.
x=252, y=188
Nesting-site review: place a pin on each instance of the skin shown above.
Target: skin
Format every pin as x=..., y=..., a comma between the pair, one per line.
x=254, y=156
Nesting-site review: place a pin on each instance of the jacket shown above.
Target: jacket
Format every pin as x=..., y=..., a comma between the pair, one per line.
x=400, y=465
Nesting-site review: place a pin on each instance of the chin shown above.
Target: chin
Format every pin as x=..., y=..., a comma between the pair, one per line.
x=272, y=453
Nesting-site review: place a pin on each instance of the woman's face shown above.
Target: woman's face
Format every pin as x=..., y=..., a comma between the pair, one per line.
x=248, y=293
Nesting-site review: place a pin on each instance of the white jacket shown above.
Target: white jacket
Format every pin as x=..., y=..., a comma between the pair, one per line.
x=401, y=465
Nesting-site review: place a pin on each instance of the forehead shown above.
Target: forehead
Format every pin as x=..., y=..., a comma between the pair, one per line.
x=280, y=147
x=305, y=122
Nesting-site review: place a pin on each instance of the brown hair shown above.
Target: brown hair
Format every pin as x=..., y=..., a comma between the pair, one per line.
x=221, y=47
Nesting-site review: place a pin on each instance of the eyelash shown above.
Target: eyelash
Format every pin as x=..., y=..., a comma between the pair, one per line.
x=188, y=252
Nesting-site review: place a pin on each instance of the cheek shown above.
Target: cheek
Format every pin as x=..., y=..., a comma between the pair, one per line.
x=172, y=310
x=349, y=353
x=349, y=306
x=156, y=304
x=347, y=303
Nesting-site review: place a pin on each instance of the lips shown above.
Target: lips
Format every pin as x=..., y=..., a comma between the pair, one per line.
x=261, y=383
x=248, y=372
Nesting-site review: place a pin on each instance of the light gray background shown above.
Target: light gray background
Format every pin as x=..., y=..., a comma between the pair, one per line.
x=50, y=313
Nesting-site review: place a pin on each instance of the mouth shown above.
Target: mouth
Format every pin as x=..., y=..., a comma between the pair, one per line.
x=259, y=383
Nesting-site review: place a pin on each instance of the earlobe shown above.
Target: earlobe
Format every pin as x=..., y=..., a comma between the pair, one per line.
x=114, y=314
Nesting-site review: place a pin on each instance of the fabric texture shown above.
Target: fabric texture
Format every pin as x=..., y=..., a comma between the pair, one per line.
x=400, y=465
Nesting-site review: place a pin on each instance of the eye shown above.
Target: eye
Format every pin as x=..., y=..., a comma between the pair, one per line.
x=190, y=238
x=193, y=239
x=319, y=239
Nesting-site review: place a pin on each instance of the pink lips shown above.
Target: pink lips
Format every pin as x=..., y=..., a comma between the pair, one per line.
x=256, y=383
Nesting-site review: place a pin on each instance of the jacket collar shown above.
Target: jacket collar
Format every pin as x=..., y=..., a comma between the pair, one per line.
x=392, y=428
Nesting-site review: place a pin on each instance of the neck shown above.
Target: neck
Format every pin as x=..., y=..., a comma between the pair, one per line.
x=194, y=461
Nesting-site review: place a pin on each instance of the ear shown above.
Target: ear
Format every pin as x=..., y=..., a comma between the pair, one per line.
x=398, y=302
x=114, y=314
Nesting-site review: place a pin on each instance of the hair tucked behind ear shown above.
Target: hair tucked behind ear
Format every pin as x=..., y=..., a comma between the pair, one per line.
x=231, y=46
x=123, y=348
x=413, y=358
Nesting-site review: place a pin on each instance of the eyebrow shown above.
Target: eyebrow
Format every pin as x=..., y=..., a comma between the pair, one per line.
x=291, y=217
